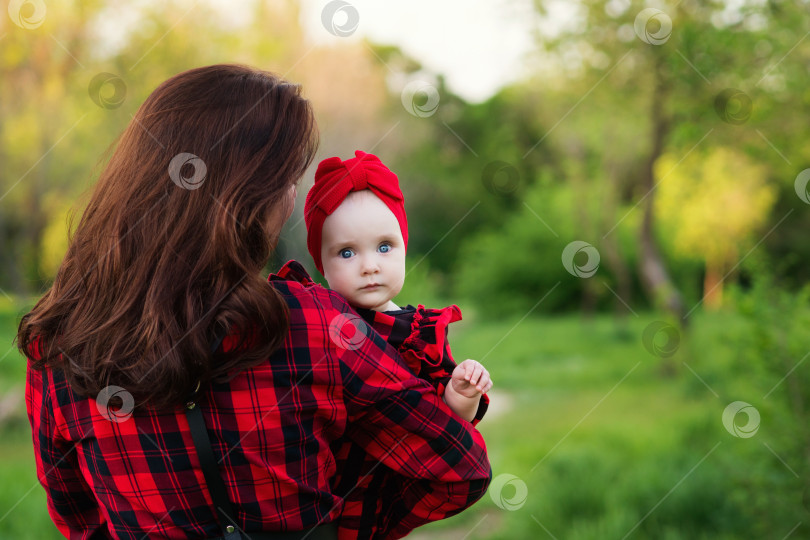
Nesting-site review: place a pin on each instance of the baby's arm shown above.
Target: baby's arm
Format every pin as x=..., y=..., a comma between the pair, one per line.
x=469, y=380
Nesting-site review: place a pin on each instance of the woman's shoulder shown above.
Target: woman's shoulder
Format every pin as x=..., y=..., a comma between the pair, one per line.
x=302, y=292
x=293, y=271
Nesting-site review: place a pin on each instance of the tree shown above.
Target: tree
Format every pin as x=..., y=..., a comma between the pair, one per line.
x=670, y=74
x=689, y=203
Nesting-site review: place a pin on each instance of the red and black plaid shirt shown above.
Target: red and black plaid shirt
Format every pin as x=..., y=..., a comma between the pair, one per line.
x=368, y=489
x=272, y=428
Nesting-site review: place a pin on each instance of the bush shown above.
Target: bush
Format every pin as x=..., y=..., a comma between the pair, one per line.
x=508, y=270
x=772, y=373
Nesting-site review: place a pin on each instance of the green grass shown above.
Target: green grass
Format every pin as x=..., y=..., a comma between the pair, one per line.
x=23, y=510
x=23, y=505
x=609, y=440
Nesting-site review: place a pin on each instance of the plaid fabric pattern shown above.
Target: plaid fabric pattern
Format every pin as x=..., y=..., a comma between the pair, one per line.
x=274, y=430
x=420, y=336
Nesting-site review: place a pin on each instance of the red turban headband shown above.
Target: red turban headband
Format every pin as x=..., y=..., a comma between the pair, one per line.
x=335, y=179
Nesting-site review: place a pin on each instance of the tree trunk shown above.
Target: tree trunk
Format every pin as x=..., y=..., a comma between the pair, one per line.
x=11, y=281
x=713, y=285
x=610, y=245
x=577, y=177
x=37, y=221
x=654, y=276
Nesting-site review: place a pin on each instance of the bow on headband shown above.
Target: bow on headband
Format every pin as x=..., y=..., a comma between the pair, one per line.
x=335, y=179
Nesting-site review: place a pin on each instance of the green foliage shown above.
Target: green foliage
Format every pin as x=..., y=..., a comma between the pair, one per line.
x=463, y=170
x=582, y=118
x=693, y=188
x=12, y=365
x=508, y=270
x=771, y=357
x=422, y=286
x=605, y=445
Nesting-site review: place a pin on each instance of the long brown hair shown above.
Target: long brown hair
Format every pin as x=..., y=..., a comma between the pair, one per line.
x=174, y=238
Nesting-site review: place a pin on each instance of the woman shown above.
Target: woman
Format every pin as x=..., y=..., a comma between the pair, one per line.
x=167, y=256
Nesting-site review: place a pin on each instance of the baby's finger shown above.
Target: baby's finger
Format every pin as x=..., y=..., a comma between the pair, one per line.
x=471, y=372
x=483, y=379
x=479, y=369
x=467, y=369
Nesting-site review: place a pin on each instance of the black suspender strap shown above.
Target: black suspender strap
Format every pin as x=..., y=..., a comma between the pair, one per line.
x=216, y=487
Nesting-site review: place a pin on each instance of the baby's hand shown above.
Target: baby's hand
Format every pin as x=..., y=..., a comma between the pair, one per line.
x=470, y=379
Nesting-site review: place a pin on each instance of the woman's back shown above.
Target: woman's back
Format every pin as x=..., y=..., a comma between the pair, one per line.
x=271, y=428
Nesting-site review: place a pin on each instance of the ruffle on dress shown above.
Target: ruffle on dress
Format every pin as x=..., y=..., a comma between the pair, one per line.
x=427, y=341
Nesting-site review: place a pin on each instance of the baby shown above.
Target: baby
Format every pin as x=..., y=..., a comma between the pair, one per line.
x=357, y=234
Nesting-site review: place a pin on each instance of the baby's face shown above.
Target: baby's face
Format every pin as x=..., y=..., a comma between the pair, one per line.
x=363, y=252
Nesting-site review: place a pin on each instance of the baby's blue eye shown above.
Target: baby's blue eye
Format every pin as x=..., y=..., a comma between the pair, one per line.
x=345, y=253
x=385, y=248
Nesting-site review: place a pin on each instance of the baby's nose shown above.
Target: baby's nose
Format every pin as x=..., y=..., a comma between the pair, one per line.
x=370, y=265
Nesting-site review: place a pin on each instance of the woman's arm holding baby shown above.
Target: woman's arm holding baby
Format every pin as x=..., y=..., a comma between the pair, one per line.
x=469, y=380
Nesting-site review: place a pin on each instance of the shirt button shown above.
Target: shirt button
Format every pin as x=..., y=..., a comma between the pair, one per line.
x=229, y=529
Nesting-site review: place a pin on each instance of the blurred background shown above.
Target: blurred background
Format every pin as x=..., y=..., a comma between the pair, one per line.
x=614, y=193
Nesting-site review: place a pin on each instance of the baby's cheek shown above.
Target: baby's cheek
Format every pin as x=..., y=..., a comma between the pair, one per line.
x=396, y=288
x=401, y=276
x=349, y=296
x=343, y=286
